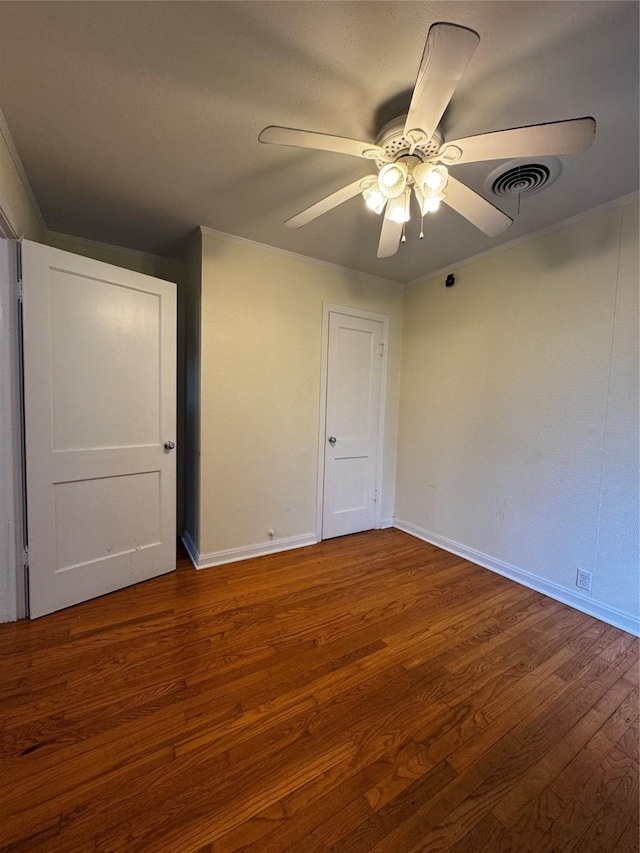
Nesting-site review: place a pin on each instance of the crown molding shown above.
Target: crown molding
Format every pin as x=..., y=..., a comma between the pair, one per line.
x=8, y=222
x=7, y=214
x=244, y=241
x=526, y=238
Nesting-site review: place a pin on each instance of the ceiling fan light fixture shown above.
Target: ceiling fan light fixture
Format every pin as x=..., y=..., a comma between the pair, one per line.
x=427, y=203
x=431, y=204
x=398, y=208
x=374, y=199
x=431, y=179
x=392, y=179
x=410, y=153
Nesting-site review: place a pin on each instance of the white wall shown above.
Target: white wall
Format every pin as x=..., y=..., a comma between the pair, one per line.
x=518, y=440
x=616, y=566
x=260, y=391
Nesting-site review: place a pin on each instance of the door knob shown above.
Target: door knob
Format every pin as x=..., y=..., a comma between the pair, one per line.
x=169, y=445
x=332, y=440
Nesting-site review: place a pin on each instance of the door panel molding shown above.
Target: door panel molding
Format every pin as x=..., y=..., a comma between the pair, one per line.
x=327, y=310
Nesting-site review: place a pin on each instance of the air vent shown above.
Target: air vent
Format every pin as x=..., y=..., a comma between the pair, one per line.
x=521, y=178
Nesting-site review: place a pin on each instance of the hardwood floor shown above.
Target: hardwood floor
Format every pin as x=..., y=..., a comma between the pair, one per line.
x=370, y=693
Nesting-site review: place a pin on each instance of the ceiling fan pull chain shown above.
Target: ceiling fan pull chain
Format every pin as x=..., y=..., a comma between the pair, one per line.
x=422, y=227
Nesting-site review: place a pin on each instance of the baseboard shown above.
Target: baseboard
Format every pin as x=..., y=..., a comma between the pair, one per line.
x=234, y=555
x=610, y=615
x=386, y=522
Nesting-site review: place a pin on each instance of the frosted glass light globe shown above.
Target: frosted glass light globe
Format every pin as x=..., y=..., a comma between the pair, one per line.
x=398, y=209
x=374, y=200
x=431, y=179
x=392, y=179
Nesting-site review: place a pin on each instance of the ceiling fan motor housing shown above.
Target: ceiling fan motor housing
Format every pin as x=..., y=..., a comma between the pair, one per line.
x=397, y=146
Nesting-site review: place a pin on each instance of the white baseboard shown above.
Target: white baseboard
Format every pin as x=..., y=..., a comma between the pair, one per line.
x=625, y=621
x=246, y=552
x=386, y=522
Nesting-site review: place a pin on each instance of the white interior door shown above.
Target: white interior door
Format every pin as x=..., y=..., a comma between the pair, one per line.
x=353, y=424
x=100, y=403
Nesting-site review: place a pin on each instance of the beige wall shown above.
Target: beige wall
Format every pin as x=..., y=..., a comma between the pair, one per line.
x=260, y=385
x=518, y=440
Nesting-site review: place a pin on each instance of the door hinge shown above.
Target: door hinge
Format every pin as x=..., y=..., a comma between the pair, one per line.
x=380, y=349
x=20, y=291
x=25, y=557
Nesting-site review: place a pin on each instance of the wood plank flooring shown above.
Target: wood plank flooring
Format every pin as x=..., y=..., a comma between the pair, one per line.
x=370, y=693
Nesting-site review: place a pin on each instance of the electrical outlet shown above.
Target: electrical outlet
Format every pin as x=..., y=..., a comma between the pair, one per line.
x=583, y=580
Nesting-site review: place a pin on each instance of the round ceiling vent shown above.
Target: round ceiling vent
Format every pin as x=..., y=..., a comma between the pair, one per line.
x=521, y=178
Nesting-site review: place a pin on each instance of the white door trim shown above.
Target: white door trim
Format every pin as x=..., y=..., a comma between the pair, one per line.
x=12, y=590
x=327, y=309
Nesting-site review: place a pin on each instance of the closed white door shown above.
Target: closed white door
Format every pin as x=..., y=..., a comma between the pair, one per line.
x=354, y=370
x=100, y=406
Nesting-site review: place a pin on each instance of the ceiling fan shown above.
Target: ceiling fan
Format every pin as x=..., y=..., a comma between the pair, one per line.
x=410, y=153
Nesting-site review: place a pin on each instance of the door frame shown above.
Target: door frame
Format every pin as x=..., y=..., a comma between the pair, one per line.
x=12, y=520
x=327, y=309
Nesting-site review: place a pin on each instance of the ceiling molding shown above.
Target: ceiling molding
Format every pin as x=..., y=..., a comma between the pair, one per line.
x=8, y=222
x=5, y=211
x=244, y=241
x=526, y=238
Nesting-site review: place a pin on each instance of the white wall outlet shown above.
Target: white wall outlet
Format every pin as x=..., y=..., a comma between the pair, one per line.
x=583, y=580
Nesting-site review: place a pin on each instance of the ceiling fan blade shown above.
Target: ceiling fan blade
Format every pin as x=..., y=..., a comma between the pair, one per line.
x=476, y=209
x=556, y=137
x=320, y=142
x=447, y=53
x=389, y=238
x=328, y=203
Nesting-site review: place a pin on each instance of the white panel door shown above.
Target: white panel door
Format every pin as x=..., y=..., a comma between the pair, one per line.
x=355, y=351
x=100, y=404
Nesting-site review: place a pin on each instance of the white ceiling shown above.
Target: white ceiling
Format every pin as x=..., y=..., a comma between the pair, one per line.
x=138, y=121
